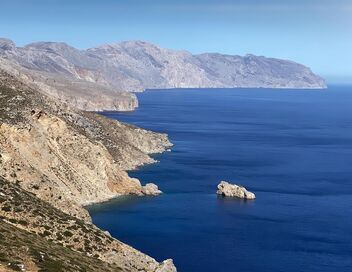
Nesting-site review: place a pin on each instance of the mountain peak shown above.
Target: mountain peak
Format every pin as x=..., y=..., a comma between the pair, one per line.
x=126, y=44
x=6, y=44
x=57, y=46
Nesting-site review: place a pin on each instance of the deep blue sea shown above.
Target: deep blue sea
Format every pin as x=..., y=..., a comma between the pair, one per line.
x=292, y=148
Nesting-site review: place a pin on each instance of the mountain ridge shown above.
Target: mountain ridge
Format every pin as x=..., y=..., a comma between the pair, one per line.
x=103, y=77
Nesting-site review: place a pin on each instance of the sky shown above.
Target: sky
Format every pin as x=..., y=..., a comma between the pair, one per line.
x=317, y=33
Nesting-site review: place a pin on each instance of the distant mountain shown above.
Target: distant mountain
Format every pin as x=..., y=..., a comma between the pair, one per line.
x=97, y=77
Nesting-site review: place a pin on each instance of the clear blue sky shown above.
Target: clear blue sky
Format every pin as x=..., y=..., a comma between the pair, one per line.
x=317, y=33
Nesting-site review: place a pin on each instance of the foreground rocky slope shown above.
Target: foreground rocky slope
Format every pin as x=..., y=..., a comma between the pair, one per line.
x=24, y=251
x=68, y=158
x=36, y=236
x=95, y=79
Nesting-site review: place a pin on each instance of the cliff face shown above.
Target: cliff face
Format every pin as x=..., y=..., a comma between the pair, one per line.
x=68, y=158
x=258, y=72
x=96, y=78
x=149, y=66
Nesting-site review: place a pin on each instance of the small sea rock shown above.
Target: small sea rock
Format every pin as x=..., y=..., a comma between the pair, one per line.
x=151, y=189
x=166, y=266
x=107, y=233
x=233, y=190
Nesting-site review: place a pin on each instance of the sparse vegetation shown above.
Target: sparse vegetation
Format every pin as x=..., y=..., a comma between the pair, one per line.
x=53, y=249
x=65, y=240
x=18, y=247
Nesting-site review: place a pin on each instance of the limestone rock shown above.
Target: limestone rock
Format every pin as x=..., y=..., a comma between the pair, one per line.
x=6, y=44
x=233, y=190
x=166, y=266
x=151, y=189
x=107, y=233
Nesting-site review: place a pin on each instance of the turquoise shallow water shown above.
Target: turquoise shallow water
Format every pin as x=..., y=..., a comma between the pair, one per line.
x=293, y=148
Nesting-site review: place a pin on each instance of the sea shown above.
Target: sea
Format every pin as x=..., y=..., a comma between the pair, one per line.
x=292, y=148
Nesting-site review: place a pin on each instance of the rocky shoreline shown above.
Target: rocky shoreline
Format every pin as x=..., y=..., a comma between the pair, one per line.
x=63, y=158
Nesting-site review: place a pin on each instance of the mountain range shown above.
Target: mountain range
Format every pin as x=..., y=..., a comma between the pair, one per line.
x=104, y=77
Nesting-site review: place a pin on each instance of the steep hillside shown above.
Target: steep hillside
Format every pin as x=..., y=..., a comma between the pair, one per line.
x=44, y=71
x=68, y=157
x=34, y=236
x=54, y=160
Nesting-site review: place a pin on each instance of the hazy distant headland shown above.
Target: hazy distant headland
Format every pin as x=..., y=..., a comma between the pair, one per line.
x=102, y=78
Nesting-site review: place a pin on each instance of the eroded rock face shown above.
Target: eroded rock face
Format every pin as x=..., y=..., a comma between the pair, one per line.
x=151, y=189
x=79, y=93
x=6, y=44
x=233, y=190
x=55, y=159
x=166, y=266
x=65, y=156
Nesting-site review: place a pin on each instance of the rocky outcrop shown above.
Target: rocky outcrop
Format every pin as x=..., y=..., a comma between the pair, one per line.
x=151, y=189
x=97, y=78
x=233, y=190
x=166, y=266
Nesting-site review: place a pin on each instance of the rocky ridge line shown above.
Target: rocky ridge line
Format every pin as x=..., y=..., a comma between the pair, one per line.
x=98, y=78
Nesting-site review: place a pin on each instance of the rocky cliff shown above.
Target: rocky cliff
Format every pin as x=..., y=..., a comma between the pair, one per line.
x=52, y=153
x=97, y=78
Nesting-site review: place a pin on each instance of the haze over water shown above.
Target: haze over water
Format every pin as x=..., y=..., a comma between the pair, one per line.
x=292, y=148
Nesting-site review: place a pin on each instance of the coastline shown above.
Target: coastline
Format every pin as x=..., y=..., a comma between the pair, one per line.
x=61, y=157
x=136, y=168
x=231, y=88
